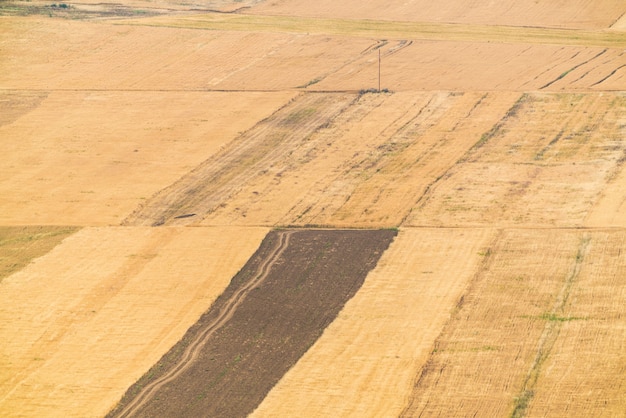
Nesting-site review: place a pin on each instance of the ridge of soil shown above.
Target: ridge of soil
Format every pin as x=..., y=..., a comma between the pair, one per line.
x=294, y=286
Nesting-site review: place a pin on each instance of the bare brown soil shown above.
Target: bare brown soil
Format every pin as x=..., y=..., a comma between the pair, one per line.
x=293, y=299
x=193, y=350
x=364, y=363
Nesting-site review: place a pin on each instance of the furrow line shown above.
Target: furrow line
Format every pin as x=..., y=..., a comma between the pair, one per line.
x=192, y=351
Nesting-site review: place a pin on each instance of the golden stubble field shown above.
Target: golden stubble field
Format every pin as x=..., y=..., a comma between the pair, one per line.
x=498, y=152
x=91, y=157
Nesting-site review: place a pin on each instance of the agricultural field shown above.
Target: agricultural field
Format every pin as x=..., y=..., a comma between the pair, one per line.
x=285, y=208
x=85, y=321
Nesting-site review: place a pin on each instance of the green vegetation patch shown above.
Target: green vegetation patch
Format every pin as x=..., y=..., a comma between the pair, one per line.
x=21, y=244
x=556, y=318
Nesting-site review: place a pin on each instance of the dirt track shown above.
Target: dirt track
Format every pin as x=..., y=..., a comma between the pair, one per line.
x=193, y=349
x=294, y=286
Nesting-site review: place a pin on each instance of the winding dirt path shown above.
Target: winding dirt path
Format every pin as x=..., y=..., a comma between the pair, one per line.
x=192, y=351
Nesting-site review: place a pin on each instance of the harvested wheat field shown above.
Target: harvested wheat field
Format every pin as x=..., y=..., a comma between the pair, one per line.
x=546, y=163
x=20, y=245
x=90, y=158
x=283, y=208
x=575, y=14
x=366, y=360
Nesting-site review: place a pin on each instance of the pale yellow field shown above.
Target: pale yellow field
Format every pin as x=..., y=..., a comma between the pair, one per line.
x=455, y=65
x=108, y=56
x=365, y=362
x=232, y=52
x=342, y=54
x=571, y=14
x=610, y=210
x=489, y=348
x=82, y=323
x=91, y=157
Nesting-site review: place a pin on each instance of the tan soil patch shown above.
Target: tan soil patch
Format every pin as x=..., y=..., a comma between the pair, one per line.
x=570, y=13
x=493, y=342
x=66, y=315
x=90, y=158
x=620, y=24
x=364, y=363
x=20, y=245
x=546, y=163
x=610, y=209
x=14, y=105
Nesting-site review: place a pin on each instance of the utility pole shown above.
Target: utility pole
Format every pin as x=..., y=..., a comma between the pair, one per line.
x=379, y=70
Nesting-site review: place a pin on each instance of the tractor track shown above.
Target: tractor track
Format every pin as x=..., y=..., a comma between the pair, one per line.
x=193, y=350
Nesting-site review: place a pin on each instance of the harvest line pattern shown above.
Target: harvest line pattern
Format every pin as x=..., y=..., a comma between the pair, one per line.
x=206, y=187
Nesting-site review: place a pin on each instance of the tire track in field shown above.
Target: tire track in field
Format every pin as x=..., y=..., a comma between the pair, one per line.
x=611, y=74
x=572, y=69
x=362, y=60
x=193, y=350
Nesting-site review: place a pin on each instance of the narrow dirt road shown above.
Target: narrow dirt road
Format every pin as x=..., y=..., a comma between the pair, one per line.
x=191, y=353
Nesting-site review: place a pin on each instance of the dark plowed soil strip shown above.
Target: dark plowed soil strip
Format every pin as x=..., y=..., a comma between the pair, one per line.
x=274, y=309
